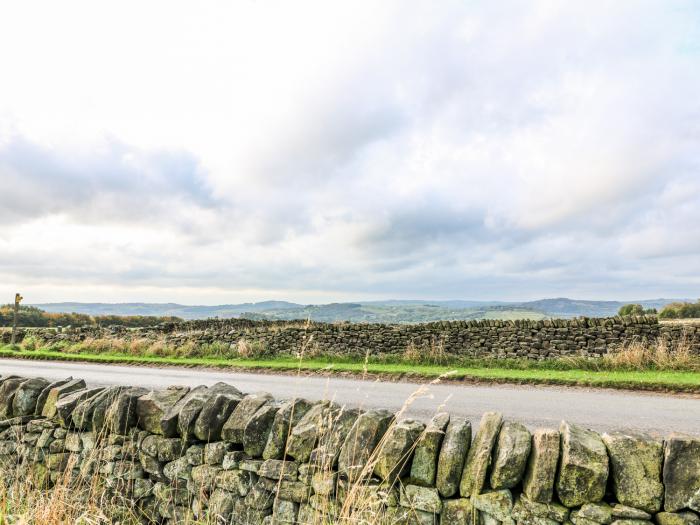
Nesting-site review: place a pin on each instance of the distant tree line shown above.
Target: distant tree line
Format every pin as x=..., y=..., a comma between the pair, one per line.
x=30, y=316
x=670, y=311
x=681, y=311
x=636, y=309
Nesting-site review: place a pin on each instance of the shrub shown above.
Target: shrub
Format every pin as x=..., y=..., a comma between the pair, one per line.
x=635, y=309
x=681, y=311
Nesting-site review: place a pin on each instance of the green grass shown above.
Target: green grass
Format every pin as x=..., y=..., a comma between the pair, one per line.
x=534, y=373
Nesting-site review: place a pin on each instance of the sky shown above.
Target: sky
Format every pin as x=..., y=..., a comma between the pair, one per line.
x=317, y=151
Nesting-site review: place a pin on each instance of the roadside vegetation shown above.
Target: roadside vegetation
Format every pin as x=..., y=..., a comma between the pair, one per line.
x=635, y=366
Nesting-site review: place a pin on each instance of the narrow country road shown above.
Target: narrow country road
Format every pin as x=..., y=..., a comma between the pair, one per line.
x=535, y=406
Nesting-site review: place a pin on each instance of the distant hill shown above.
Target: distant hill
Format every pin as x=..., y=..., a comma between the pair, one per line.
x=396, y=313
x=391, y=311
x=161, y=309
x=563, y=307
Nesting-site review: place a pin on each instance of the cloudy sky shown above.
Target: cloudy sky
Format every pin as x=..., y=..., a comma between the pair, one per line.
x=217, y=151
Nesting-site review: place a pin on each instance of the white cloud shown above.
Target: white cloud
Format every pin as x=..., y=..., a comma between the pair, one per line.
x=318, y=150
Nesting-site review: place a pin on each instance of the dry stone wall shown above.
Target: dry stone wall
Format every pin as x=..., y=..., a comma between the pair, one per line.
x=223, y=456
x=589, y=337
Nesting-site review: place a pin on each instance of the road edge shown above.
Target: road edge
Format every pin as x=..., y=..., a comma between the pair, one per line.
x=389, y=377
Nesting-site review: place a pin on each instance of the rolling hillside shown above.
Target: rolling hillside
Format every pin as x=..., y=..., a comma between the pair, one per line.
x=392, y=311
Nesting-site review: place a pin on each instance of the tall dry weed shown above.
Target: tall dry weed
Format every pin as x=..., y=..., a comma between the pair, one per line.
x=250, y=349
x=659, y=356
x=75, y=497
x=427, y=354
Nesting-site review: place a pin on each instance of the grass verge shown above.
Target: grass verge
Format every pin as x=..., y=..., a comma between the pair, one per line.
x=658, y=380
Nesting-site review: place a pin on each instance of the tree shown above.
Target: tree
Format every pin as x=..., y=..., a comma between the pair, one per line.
x=631, y=309
x=30, y=316
x=681, y=311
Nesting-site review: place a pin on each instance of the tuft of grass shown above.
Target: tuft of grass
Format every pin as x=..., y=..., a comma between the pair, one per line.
x=657, y=357
x=28, y=497
x=432, y=354
x=250, y=349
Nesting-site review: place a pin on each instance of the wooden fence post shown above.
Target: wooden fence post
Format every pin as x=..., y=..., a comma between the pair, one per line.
x=18, y=299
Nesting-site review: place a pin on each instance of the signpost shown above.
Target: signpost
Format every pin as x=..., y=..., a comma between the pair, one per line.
x=18, y=299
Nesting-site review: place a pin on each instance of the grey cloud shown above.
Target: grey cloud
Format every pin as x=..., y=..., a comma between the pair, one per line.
x=325, y=139
x=416, y=169
x=115, y=182
x=413, y=230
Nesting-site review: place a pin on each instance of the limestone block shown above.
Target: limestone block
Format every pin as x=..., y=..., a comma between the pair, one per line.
x=599, y=512
x=214, y=414
x=337, y=426
x=221, y=503
x=479, y=456
x=324, y=483
x=583, y=470
x=279, y=469
x=510, y=455
x=677, y=518
x=236, y=481
x=497, y=503
x=681, y=473
x=259, y=498
x=121, y=416
x=66, y=404
x=286, y=418
x=41, y=398
x=84, y=413
x=214, y=452
x=396, y=451
x=305, y=435
x=455, y=447
x=27, y=395
x=151, y=408
x=538, y=482
x=457, y=512
x=284, y=512
x=620, y=511
x=421, y=498
x=234, y=428
x=257, y=430
x=178, y=469
x=528, y=511
x=361, y=441
x=203, y=477
x=425, y=456
x=635, y=464
x=171, y=416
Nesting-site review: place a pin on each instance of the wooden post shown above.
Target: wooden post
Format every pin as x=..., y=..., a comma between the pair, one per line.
x=18, y=299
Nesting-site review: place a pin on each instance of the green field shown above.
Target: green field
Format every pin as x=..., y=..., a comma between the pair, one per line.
x=390, y=313
x=552, y=373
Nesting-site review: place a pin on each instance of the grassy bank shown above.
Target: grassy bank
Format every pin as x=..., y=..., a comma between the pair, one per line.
x=554, y=372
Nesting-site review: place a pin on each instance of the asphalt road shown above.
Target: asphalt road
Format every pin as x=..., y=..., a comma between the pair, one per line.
x=535, y=406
